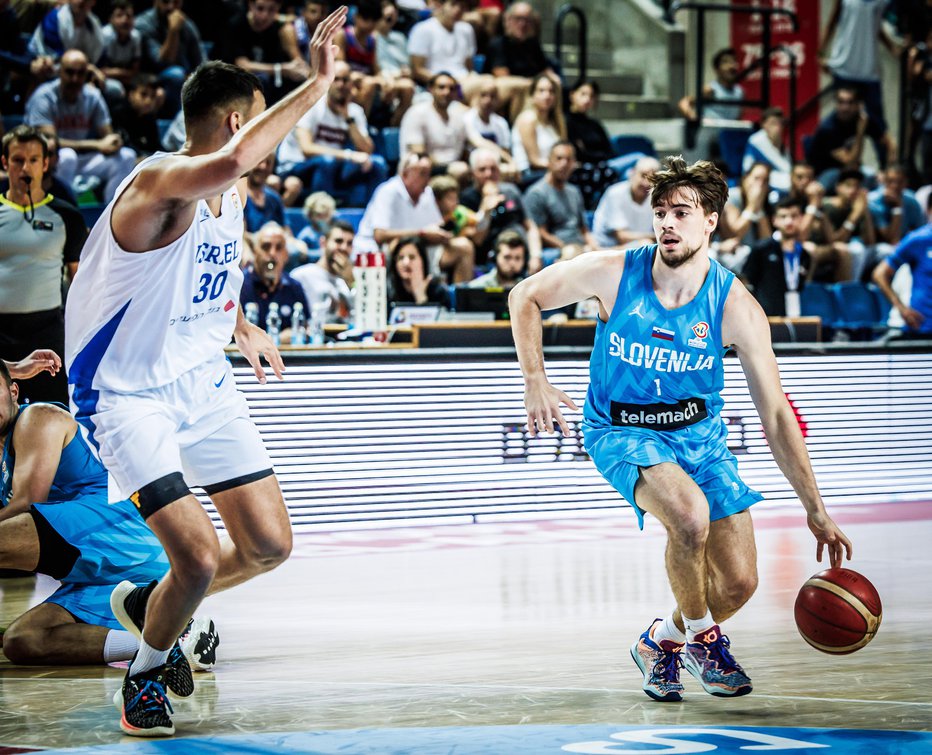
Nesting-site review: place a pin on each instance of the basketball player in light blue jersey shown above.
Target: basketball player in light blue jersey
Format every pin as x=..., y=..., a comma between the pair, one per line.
x=55, y=520
x=652, y=416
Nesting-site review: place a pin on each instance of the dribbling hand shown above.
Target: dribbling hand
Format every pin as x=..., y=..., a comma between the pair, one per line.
x=322, y=51
x=829, y=536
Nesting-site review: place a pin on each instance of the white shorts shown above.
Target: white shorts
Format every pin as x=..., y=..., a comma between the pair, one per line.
x=198, y=426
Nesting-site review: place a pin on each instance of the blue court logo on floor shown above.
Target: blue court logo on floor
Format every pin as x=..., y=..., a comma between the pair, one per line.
x=598, y=739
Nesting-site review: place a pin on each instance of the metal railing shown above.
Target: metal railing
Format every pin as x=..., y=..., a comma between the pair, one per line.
x=562, y=14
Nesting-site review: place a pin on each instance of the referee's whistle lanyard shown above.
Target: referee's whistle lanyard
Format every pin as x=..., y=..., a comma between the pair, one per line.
x=791, y=263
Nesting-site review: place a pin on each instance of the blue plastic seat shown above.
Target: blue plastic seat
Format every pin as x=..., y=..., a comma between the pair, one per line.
x=857, y=306
x=391, y=145
x=625, y=144
x=732, y=143
x=351, y=215
x=816, y=300
x=295, y=219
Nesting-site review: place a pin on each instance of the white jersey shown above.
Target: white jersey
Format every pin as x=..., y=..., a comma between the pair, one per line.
x=135, y=321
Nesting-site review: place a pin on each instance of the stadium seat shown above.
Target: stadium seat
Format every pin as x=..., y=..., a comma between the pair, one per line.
x=549, y=255
x=390, y=145
x=625, y=144
x=90, y=213
x=164, y=124
x=883, y=304
x=294, y=218
x=12, y=121
x=732, y=142
x=590, y=216
x=351, y=215
x=856, y=305
x=816, y=300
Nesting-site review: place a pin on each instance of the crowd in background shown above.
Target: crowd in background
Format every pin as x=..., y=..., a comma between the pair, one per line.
x=449, y=141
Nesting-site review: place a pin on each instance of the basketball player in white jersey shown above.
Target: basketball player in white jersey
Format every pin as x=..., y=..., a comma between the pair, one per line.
x=148, y=315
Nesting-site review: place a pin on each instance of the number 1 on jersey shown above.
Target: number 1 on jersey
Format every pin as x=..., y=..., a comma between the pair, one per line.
x=657, y=383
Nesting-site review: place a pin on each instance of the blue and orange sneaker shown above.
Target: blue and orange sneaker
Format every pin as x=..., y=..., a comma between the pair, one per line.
x=660, y=664
x=144, y=705
x=711, y=662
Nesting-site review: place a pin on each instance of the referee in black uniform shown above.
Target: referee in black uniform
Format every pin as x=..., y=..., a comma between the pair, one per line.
x=40, y=236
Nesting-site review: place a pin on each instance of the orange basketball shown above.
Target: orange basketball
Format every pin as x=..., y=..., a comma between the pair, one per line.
x=838, y=611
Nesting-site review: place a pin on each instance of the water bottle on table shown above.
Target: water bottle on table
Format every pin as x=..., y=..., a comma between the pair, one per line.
x=273, y=324
x=299, y=329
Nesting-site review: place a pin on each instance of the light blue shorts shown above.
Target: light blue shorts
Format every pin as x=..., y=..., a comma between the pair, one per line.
x=714, y=469
x=113, y=542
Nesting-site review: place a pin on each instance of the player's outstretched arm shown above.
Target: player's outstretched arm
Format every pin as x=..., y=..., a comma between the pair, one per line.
x=745, y=327
x=38, y=361
x=189, y=178
x=553, y=287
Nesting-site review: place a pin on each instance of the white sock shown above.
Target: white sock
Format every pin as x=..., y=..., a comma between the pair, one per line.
x=698, y=626
x=119, y=646
x=668, y=630
x=147, y=658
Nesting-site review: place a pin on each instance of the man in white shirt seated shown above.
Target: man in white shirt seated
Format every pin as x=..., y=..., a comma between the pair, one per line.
x=624, y=216
x=328, y=282
x=485, y=128
x=405, y=206
x=445, y=42
x=438, y=128
x=766, y=145
x=330, y=148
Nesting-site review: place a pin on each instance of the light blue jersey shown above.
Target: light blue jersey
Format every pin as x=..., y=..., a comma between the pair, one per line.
x=112, y=541
x=655, y=382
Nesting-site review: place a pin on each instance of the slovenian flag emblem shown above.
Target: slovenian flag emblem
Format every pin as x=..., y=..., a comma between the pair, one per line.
x=663, y=334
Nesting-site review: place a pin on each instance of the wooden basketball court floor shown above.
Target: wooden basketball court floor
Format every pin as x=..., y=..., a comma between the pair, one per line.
x=519, y=625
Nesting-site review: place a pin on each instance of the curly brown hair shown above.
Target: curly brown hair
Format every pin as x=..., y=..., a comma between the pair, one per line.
x=701, y=178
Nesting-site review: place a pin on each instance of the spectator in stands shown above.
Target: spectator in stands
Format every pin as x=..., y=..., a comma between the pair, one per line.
x=438, y=128
x=856, y=26
x=409, y=278
x=804, y=188
x=766, y=145
x=405, y=206
x=311, y=13
x=70, y=26
x=516, y=56
x=330, y=280
x=839, y=140
x=587, y=134
x=486, y=128
x=717, y=95
x=912, y=251
x=76, y=113
x=263, y=204
x=39, y=235
x=122, y=53
x=851, y=228
x=174, y=138
x=135, y=118
x=894, y=208
x=456, y=218
x=747, y=211
x=259, y=42
x=537, y=129
x=171, y=45
x=319, y=209
x=330, y=148
x=624, y=216
x=444, y=43
x=501, y=204
x=557, y=206
x=266, y=281
x=511, y=257
x=391, y=50
x=777, y=269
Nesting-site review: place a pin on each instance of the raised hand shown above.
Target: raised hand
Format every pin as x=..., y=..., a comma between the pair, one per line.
x=322, y=50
